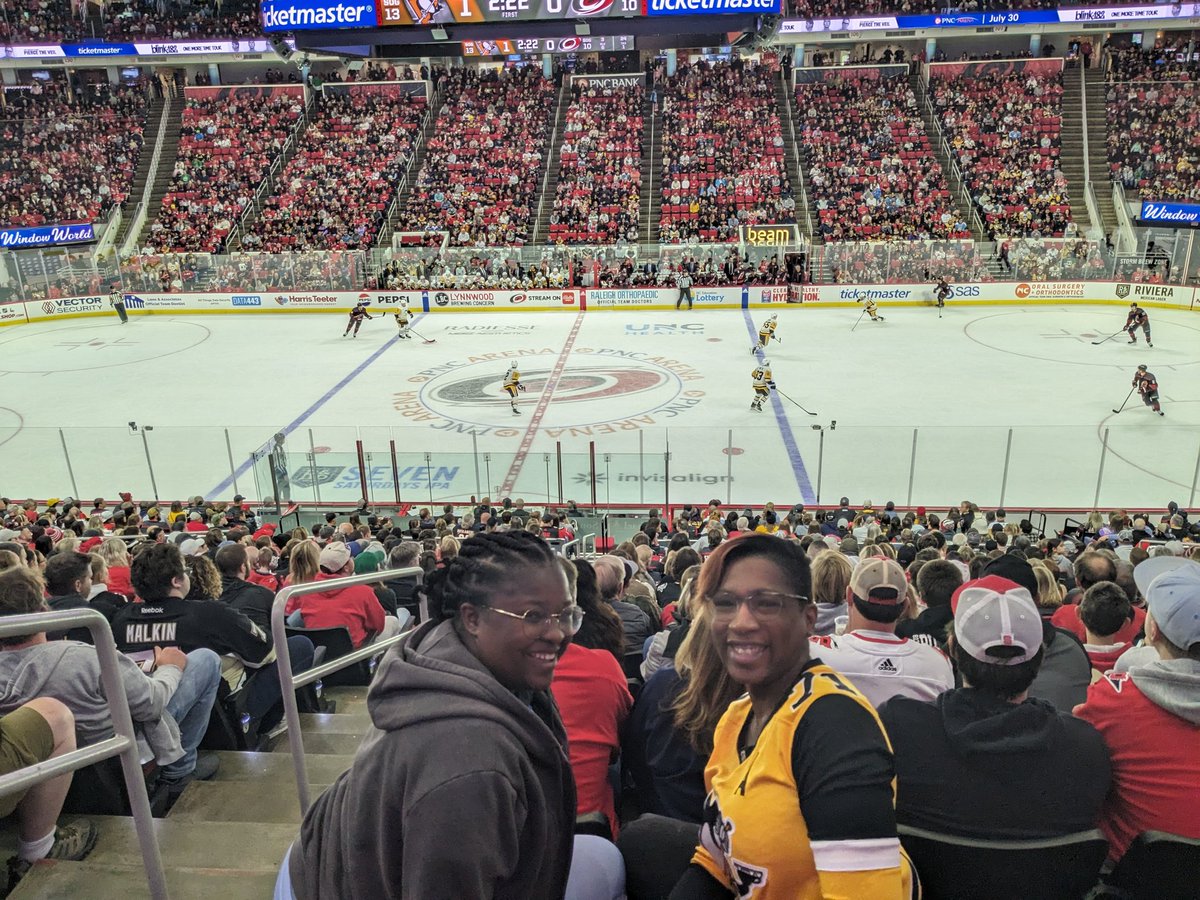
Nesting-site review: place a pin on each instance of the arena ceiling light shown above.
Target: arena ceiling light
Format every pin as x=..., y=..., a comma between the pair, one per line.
x=439, y=34
x=583, y=29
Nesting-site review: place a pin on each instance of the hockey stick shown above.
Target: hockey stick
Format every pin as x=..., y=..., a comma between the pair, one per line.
x=1109, y=338
x=1131, y=390
x=793, y=402
x=859, y=319
x=422, y=337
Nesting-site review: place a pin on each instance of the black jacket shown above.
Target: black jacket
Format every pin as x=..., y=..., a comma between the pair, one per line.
x=106, y=603
x=191, y=625
x=252, y=600
x=976, y=766
x=932, y=621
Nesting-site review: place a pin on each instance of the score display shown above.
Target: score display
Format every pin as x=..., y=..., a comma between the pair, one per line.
x=323, y=15
x=596, y=43
x=451, y=12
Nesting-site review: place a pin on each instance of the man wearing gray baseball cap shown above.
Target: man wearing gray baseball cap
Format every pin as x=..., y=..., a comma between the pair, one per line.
x=1149, y=715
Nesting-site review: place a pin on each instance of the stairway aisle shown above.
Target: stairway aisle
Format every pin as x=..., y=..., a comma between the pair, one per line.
x=224, y=838
x=154, y=111
x=1071, y=161
x=543, y=201
x=1097, y=129
x=791, y=157
x=166, y=165
x=949, y=166
x=652, y=172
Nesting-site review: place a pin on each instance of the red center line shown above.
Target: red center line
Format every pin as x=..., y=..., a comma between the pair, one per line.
x=540, y=410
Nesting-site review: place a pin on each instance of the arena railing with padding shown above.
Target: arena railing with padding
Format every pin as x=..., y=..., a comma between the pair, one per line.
x=1152, y=257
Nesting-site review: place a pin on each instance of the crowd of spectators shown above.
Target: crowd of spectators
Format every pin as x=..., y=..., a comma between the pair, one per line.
x=1005, y=131
x=904, y=262
x=965, y=654
x=482, y=168
x=335, y=192
x=845, y=9
x=185, y=20
x=723, y=161
x=68, y=154
x=334, y=270
x=1153, y=107
x=54, y=21
x=871, y=170
x=38, y=22
x=227, y=144
x=600, y=166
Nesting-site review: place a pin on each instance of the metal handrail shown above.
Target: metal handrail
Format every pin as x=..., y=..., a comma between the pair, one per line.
x=289, y=683
x=584, y=542
x=124, y=744
x=561, y=549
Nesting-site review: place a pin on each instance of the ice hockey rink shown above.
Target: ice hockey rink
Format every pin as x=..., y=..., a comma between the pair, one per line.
x=992, y=404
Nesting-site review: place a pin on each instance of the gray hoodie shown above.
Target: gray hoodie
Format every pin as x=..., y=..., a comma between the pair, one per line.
x=70, y=671
x=1173, y=684
x=462, y=791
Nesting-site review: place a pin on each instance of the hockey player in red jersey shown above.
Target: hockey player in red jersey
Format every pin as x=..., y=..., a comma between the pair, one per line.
x=1137, y=318
x=1147, y=386
x=356, y=318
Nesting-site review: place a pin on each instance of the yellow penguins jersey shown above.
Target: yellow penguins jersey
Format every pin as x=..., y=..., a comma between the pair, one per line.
x=761, y=376
x=808, y=812
x=767, y=328
x=402, y=315
x=870, y=305
x=512, y=380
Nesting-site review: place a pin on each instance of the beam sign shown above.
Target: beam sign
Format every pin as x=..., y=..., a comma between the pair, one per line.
x=770, y=235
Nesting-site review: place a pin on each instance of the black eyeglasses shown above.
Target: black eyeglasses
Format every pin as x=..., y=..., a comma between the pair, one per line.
x=537, y=622
x=762, y=604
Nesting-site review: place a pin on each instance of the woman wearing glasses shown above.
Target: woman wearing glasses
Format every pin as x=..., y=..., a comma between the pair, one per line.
x=800, y=780
x=463, y=789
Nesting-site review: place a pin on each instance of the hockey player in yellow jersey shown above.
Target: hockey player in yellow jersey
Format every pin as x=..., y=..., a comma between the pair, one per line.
x=763, y=384
x=801, y=802
x=403, y=317
x=766, y=331
x=512, y=386
x=872, y=309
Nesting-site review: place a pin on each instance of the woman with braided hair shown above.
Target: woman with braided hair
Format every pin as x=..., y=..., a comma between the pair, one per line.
x=463, y=788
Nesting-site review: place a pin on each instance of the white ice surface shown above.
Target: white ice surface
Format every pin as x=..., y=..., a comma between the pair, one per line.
x=631, y=381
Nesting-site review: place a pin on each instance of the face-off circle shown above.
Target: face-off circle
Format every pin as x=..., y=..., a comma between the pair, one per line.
x=593, y=391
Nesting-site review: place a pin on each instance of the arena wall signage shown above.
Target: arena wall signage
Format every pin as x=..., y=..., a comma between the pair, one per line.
x=166, y=47
x=380, y=303
x=1181, y=214
x=47, y=235
x=956, y=19
x=708, y=7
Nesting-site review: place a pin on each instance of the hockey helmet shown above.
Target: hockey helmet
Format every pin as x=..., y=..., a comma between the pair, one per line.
x=1133, y=305
x=1141, y=368
x=766, y=363
x=512, y=367
x=774, y=316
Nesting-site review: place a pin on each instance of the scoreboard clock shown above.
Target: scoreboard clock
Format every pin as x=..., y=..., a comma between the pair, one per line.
x=601, y=43
x=451, y=12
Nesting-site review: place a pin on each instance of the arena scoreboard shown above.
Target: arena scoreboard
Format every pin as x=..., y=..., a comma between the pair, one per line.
x=323, y=15
x=595, y=43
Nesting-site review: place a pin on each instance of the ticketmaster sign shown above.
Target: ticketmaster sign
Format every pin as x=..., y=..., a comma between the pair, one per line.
x=1181, y=214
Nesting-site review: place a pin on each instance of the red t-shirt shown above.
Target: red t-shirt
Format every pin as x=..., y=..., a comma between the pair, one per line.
x=1104, y=658
x=1155, y=762
x=1067, y=616
x=356, y=608
x=594, y=700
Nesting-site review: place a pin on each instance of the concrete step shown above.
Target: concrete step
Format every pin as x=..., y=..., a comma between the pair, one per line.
x=276, y=768
x=239, y=801
x=98, y=882
x=194, y=845
x=334, y=744
x=335, y=723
